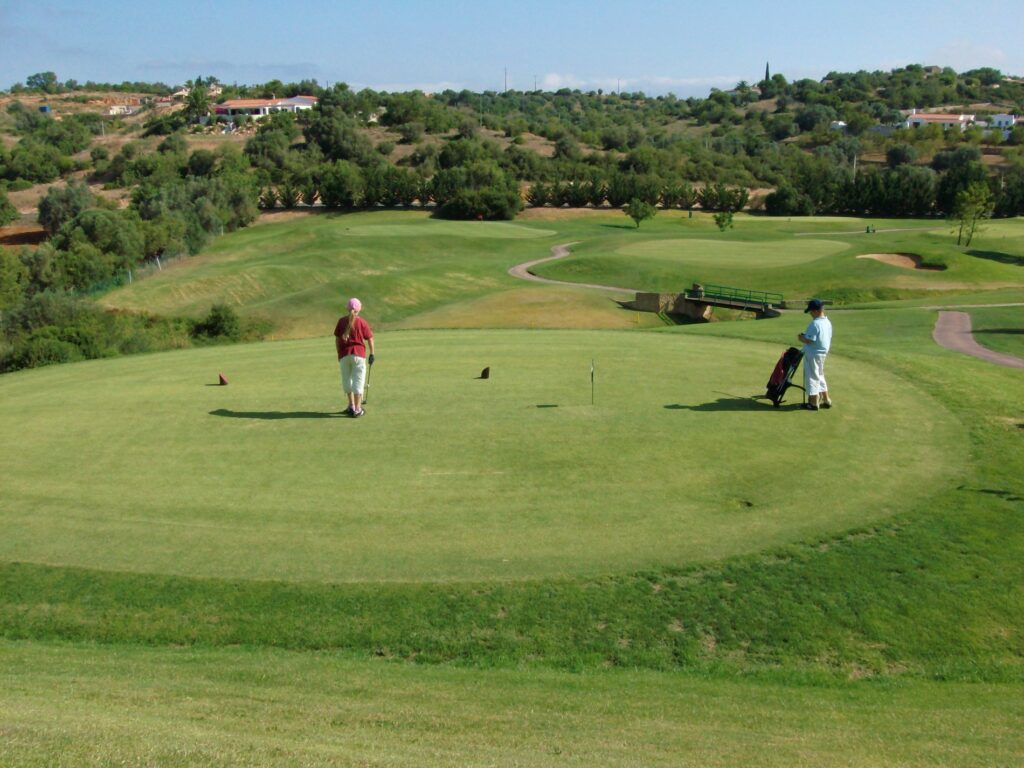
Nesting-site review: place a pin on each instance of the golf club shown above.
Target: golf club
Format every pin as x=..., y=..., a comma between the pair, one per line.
x=366, y=386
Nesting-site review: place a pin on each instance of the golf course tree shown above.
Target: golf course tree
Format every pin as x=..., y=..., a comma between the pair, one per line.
x=723, y=220
x=8, y=212
x=13, y=279
x=337, y=135
x=639, y=210
x=342, y=185
x=61, y=204
x=481, y=190
x=973, y=205
x=787, y=201
x=197, y=103
x=958, y=169
x=220, y=324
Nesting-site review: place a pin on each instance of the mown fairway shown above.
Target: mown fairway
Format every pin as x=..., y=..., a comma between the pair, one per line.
x=498, y=572
x=423, y=272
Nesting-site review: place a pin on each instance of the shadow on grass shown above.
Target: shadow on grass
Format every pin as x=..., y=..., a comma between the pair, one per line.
x=733, y=403
x=1005, y=495
x=272, y=415
x=620, y=226
x=1000, y=330
x=1002, y=258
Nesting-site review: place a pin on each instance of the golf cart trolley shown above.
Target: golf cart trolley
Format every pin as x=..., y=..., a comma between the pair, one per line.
x=782, y=377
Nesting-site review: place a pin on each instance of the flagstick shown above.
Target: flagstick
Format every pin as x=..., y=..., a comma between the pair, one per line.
x=591, y=381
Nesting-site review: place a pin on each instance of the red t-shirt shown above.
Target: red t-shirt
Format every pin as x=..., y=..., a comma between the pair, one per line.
x=356, y=344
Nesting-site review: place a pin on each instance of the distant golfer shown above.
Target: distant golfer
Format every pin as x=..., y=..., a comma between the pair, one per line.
x=817, y=339
x=352, y=337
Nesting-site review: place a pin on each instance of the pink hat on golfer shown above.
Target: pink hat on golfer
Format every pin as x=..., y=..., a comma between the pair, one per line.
x=354, y=304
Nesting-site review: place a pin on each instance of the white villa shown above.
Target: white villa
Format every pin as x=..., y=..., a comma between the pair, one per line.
x=1006, y=122
x=257, y=108
x=920, y=119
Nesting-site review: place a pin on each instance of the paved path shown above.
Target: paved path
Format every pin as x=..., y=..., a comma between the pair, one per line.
x=522, y=271
x=875, y=232
x=953, y=331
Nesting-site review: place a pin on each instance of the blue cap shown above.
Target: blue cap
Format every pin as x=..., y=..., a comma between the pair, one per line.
x=814, y=304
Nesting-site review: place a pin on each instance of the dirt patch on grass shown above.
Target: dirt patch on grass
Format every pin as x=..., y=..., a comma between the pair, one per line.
x=22, y=234
x=560, y=214
x=904, y=260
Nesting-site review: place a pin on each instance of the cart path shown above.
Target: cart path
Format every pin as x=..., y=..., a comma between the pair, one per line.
x=522, y=271
x=953, y=331
x=862, y=232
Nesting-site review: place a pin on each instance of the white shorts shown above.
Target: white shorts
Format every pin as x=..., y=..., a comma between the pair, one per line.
x=353, y=374
x=814, y=375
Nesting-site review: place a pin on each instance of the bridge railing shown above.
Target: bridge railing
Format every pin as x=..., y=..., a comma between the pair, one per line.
x=726, y=293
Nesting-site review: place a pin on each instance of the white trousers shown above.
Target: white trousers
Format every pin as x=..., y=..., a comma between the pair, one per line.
x=353, y=374
x=814, y=375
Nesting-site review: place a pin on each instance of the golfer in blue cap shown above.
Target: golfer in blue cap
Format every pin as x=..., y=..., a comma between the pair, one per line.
x=817, y=339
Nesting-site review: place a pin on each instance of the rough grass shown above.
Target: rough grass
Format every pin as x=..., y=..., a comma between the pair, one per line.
x=80, y=705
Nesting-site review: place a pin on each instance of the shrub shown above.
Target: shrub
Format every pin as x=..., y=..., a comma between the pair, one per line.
x=221, y=323
x=42, y=347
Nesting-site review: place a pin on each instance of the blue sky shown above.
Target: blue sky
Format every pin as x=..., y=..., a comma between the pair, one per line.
x=658, y=47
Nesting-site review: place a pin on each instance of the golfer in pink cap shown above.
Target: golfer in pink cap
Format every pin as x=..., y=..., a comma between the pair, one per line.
x=352, y=339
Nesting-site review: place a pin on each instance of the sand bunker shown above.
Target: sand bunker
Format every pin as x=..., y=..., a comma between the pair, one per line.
x=904, y=260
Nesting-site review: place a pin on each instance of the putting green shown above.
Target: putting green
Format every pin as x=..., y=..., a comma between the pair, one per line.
x=713, y=254
x=141, y=464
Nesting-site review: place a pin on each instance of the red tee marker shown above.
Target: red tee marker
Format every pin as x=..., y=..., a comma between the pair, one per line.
x=221, y=379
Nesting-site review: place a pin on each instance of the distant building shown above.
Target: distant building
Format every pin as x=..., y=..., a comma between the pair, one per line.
x=920, y=119
x=121, y=109
x=257, y=108
x=837, y=125
x=1006, y=122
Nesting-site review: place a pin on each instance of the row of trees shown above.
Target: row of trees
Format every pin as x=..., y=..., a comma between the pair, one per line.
x=821, y=186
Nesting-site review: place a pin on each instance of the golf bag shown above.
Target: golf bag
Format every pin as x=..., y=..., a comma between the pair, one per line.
x=782, y=376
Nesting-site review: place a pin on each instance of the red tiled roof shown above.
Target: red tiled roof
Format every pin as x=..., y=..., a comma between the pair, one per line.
x=936, y=117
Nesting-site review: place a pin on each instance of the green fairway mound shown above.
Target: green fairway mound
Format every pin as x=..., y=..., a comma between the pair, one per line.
x=143, y=465
x=713, y=254
x=441, y=228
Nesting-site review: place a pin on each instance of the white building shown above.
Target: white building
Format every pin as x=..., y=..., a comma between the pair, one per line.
x=257, y=108
x=920, y=119
x=1006, y=122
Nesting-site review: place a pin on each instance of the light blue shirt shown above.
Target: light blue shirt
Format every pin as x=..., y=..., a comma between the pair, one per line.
x=819, y=332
